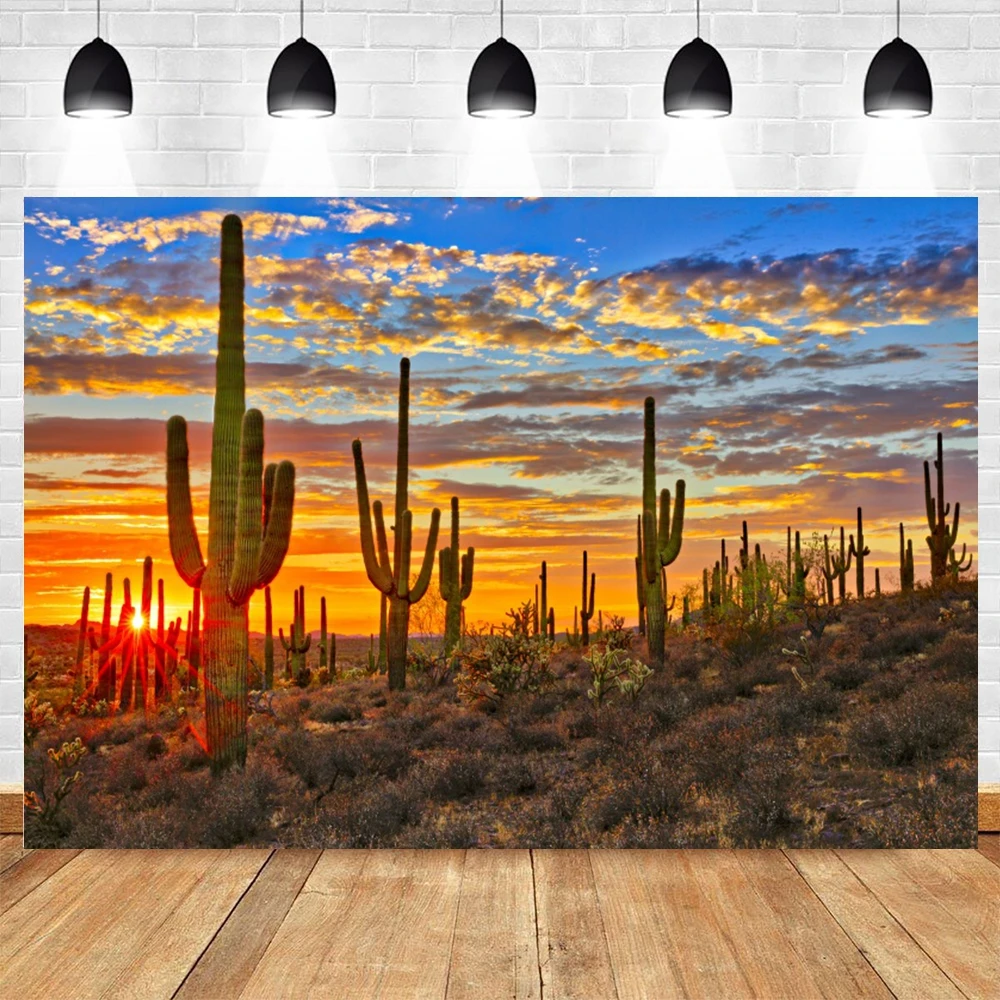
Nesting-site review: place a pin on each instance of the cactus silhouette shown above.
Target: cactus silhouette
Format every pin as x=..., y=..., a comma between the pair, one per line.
x=798, y=592
x=81, y=646
x=333, y=654
x=860, y=550
x=661, y=537
x=268, y=641
x=960, y=564
x=194, y=640
x=299, y=640
x=392, y=578
x=906, y=575
x=249, y=518
x=835, y=567
x=543, y=608
x=942, y=539
x=640, y=580
x=587, y=605
x=454, y=582
x=322, y=633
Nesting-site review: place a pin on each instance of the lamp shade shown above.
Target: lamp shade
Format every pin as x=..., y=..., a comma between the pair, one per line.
x=697, y=83
x=98, y=84
x=301, y=83
x=898, y=84
x=501, y=84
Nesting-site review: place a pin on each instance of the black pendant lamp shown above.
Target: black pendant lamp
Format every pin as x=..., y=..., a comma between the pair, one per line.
x=301, y=83
x=697, y=83
x=501, y=84
x=98, y=84
x=898, y=84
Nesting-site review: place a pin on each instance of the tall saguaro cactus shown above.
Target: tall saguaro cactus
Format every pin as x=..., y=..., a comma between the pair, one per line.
x=299, y=640
x=249, y=518
x=81, y=645
x=860, y=550
x=455, y=582
x=268, y=641
x=322, y=633
x=392, y=577
x=906, y=575
x=640, y=578
x=587, y=606
x=942, y=539
x=661, y=536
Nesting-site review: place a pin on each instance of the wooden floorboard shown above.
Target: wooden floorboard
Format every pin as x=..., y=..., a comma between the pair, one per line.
x=928, y=893
x=486, y=925
x=12, y=849
x=989, y=845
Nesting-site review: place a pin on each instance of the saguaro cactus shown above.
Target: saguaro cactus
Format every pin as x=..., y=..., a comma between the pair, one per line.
x=194, y=640
x=268, y=641
x=249, y=518
x=543, y=579
x=455, y=582
x=81, y=645
x=661, y=537
x=392, y=577
x=299, y=640
x=163, y=683
x=860, y=550
x=104, y=683
x=322, y=633
x=960, y=564
x=798, y=592
x=906, y=575
x=942, y=539
x=640, y=578
x=587, y=606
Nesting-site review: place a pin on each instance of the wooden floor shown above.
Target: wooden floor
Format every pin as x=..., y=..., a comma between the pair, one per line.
x=479, y=925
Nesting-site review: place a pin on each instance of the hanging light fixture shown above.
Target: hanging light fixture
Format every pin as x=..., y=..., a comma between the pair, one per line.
x=301, y=83
x=501, y=84
x=898, y=84
x=98, y=84
x=697, y=83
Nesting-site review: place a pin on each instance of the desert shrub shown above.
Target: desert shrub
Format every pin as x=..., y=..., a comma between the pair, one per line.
x=375, y=817
x=653, y=792
x=904, y=639
x=919, y=726
x=797, y=712
x=886, y=686
x=460, y=778
x=540, y=737
x=847, y=675
x=239, y=804
x=37, y=715
x=156, y=746
x=494, y=666
x=50, y=785
x=510, y=776
x=616, y=636
x=429, y=666
x=318, y=759
x=937, y=813
x=763, y=797
x=956, y=656
x=334, y=712
x=743, y=638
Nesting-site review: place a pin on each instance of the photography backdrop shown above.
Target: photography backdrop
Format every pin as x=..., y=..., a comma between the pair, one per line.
x=199, y=72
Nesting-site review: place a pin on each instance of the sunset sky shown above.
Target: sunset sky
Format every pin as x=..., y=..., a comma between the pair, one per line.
x=802, y=354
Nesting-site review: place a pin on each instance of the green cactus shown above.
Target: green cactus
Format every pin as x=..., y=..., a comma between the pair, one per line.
x=835, y=567
x=860, y=550
x=322, y=633
x=455, y=583
x=163, y=682
x=104, y=682
x=392, y=578
x=906, y=574
x=959, y=565
x=333, y=654
x=686, y=612
x=543, y=608
x=587, y=607
x=382, y=662
x=534, y=613
x=249, y=518
x=942, y=539
x=81, y=645
x=640, y=581
x=194, y=640
x=798, y=592
x=299, y=640
x=268, y=641
x=788, y=563
x=706, y=596
x=878, y=583
x=552, y=624
x=661, y=537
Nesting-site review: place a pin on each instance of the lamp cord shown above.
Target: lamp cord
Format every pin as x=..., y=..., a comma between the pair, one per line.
x=98, y=18
x=302, y=18
x=698, y=17
x=897, y=18
x=501, y=18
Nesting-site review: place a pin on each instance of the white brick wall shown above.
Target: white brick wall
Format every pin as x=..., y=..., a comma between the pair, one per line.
x=199, y=69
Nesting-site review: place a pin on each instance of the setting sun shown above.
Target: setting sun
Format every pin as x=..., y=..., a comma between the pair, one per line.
x=137, y=621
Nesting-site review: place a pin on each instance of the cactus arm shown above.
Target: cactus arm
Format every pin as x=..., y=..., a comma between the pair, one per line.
x=278, y=532
x=445, y=581
x=953, y=534
x=928, y=498
x=382, y=539
x=284, y=642
x=650, y=558
x=403, y=542
x=243, y=576
x=184, y=545
x=374, y=565
x=670, y=545
x=419, y=588
x=468, y=561
x=269, y=473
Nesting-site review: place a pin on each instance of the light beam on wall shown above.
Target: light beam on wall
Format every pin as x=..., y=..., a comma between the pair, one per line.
x=499, y=160
x=695, y=162
x=298, y=158
x=895, y=161
x=95, y=160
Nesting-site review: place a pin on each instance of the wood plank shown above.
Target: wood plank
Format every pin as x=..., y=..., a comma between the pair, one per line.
x=989, y=807
x=12, y=849
x=291, y=960
x=227, y=964
x=494, y=955
x=937, y=908
x=830, y=960
x=989, y=846
x=11, y=809
x=113, y=923
x=396, y=941
x=572, y=944
x=28, y=872
x=901, y=963
x=174, y=943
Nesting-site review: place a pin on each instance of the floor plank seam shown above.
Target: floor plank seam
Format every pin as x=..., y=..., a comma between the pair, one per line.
x=538, y=930
x=218, y=930
x=604, y=926
x=454, y=926
x=892, y=916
